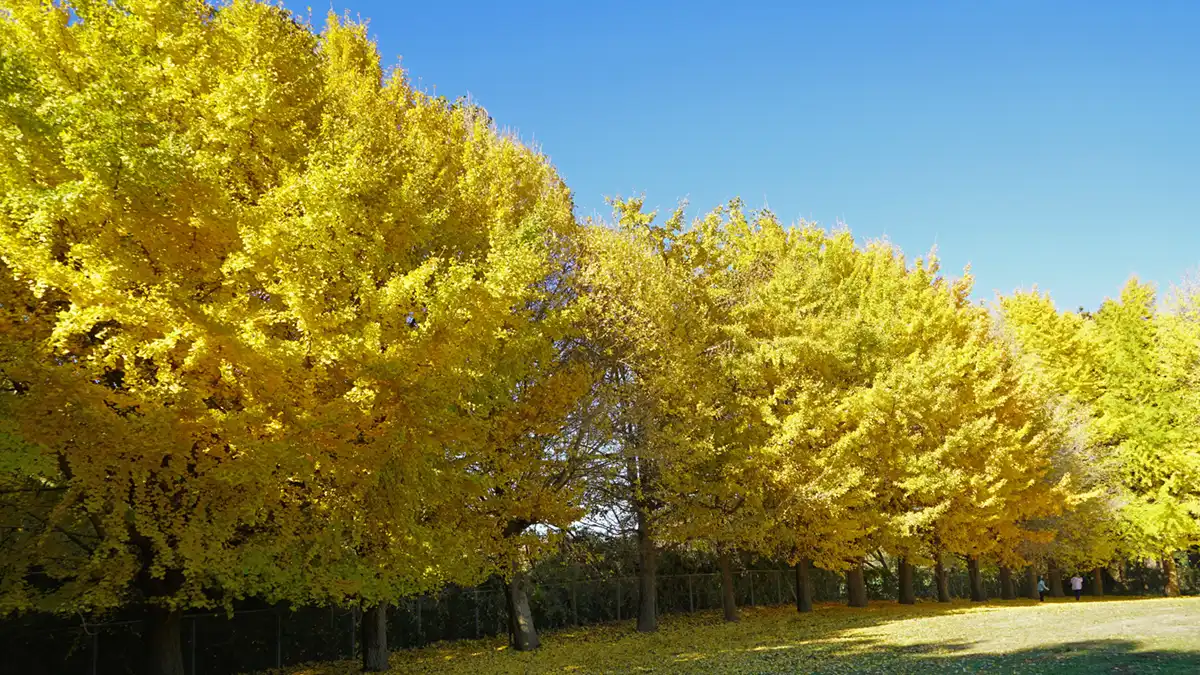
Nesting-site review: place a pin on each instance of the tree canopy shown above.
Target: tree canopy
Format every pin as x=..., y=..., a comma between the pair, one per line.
x=275, y=323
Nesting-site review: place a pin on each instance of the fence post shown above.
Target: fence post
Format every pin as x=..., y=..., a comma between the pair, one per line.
x=477, y=636
x=420, y=630
x=193, y=670
x=575, y=601
x=751, y=573
x=353, y=632
x=691, y=596
x=778, y=587
x=278, y=637
x=618, y=598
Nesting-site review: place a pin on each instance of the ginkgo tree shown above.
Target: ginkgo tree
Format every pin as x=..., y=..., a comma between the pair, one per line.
x=274, y=323
x=1061, y=357
x=647, y=319
x=1005, y=482
x=896, y=410
x=1128, y=371
x=123, y=184
x=708, y=482
x=542, y=453
x=799, y=341
x=1146, y=413
x=832, y=327
x=951, y=445
x=911, y=418
x=271, y=299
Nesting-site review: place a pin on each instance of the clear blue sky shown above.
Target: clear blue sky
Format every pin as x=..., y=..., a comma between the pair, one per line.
x=1055, y=143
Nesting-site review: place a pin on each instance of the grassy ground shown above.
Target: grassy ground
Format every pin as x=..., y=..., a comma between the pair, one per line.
x=1021, y=636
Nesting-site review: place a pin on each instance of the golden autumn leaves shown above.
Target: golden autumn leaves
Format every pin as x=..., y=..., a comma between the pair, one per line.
x=268, y=314
x=1125, y=376
x=275, y=324
x=836, y=399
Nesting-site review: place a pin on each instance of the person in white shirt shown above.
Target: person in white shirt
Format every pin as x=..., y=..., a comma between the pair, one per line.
x=1077, y=585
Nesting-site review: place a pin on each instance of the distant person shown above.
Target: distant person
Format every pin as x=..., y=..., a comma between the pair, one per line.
x=1077, y=585
x=1042, y=589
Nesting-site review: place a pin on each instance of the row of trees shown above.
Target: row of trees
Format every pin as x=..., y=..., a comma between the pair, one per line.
x=273, y=323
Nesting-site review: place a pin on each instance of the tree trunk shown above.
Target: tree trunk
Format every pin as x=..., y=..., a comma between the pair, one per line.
x=856, y=586
x=1120, y=577
x=886, y=576
x=1008, y=590
x=522, y=634
x=804, y=599
x=648, y=566
x=942, y=581
x=1172, y=571
x=1031, y=578
x=728, y=602
x=1098, y=582
x=1054, y=580
x=905, y=593
x=374, y=639
x=163, y=645
x=977, y=592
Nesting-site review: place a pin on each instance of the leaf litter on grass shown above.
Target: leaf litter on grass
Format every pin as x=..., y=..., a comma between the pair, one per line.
x=1124, y=636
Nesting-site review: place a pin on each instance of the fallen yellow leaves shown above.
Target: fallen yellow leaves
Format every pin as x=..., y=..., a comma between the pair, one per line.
x=1017, y=636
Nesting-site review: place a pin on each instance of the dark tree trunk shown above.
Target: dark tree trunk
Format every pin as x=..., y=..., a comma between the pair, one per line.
x=977, y=592
x=1171, y=569
x=1031, y=578
x=522, y=634
x=648, y=566
x=943, y=583
x=886, y=577
x=728, y=602
x=1098, y=582
x=804, y=599
x=163, y=644
x=856, y=586
x=1054, y=580
x=1008, y=590
x=1120, y=577
x=374, y=639
x=906, y=594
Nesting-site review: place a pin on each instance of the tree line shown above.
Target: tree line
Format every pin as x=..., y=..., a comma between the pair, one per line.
x=275, y=323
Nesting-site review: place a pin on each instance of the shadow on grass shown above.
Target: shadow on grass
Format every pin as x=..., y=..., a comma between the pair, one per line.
x=883, y=638
x=1088, y=598
x=1065, y=658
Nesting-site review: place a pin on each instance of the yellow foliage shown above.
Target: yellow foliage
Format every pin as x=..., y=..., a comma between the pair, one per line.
x=1126, y=378
x=275, y=323
x=274, y=300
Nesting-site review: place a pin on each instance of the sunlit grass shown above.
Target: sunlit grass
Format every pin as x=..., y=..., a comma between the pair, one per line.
x=1103, y=635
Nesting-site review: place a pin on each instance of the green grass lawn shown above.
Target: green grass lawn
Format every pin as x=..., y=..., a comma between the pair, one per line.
x=1060, y=636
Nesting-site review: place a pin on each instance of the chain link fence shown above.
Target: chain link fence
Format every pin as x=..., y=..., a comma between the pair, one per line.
x=271, y=637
